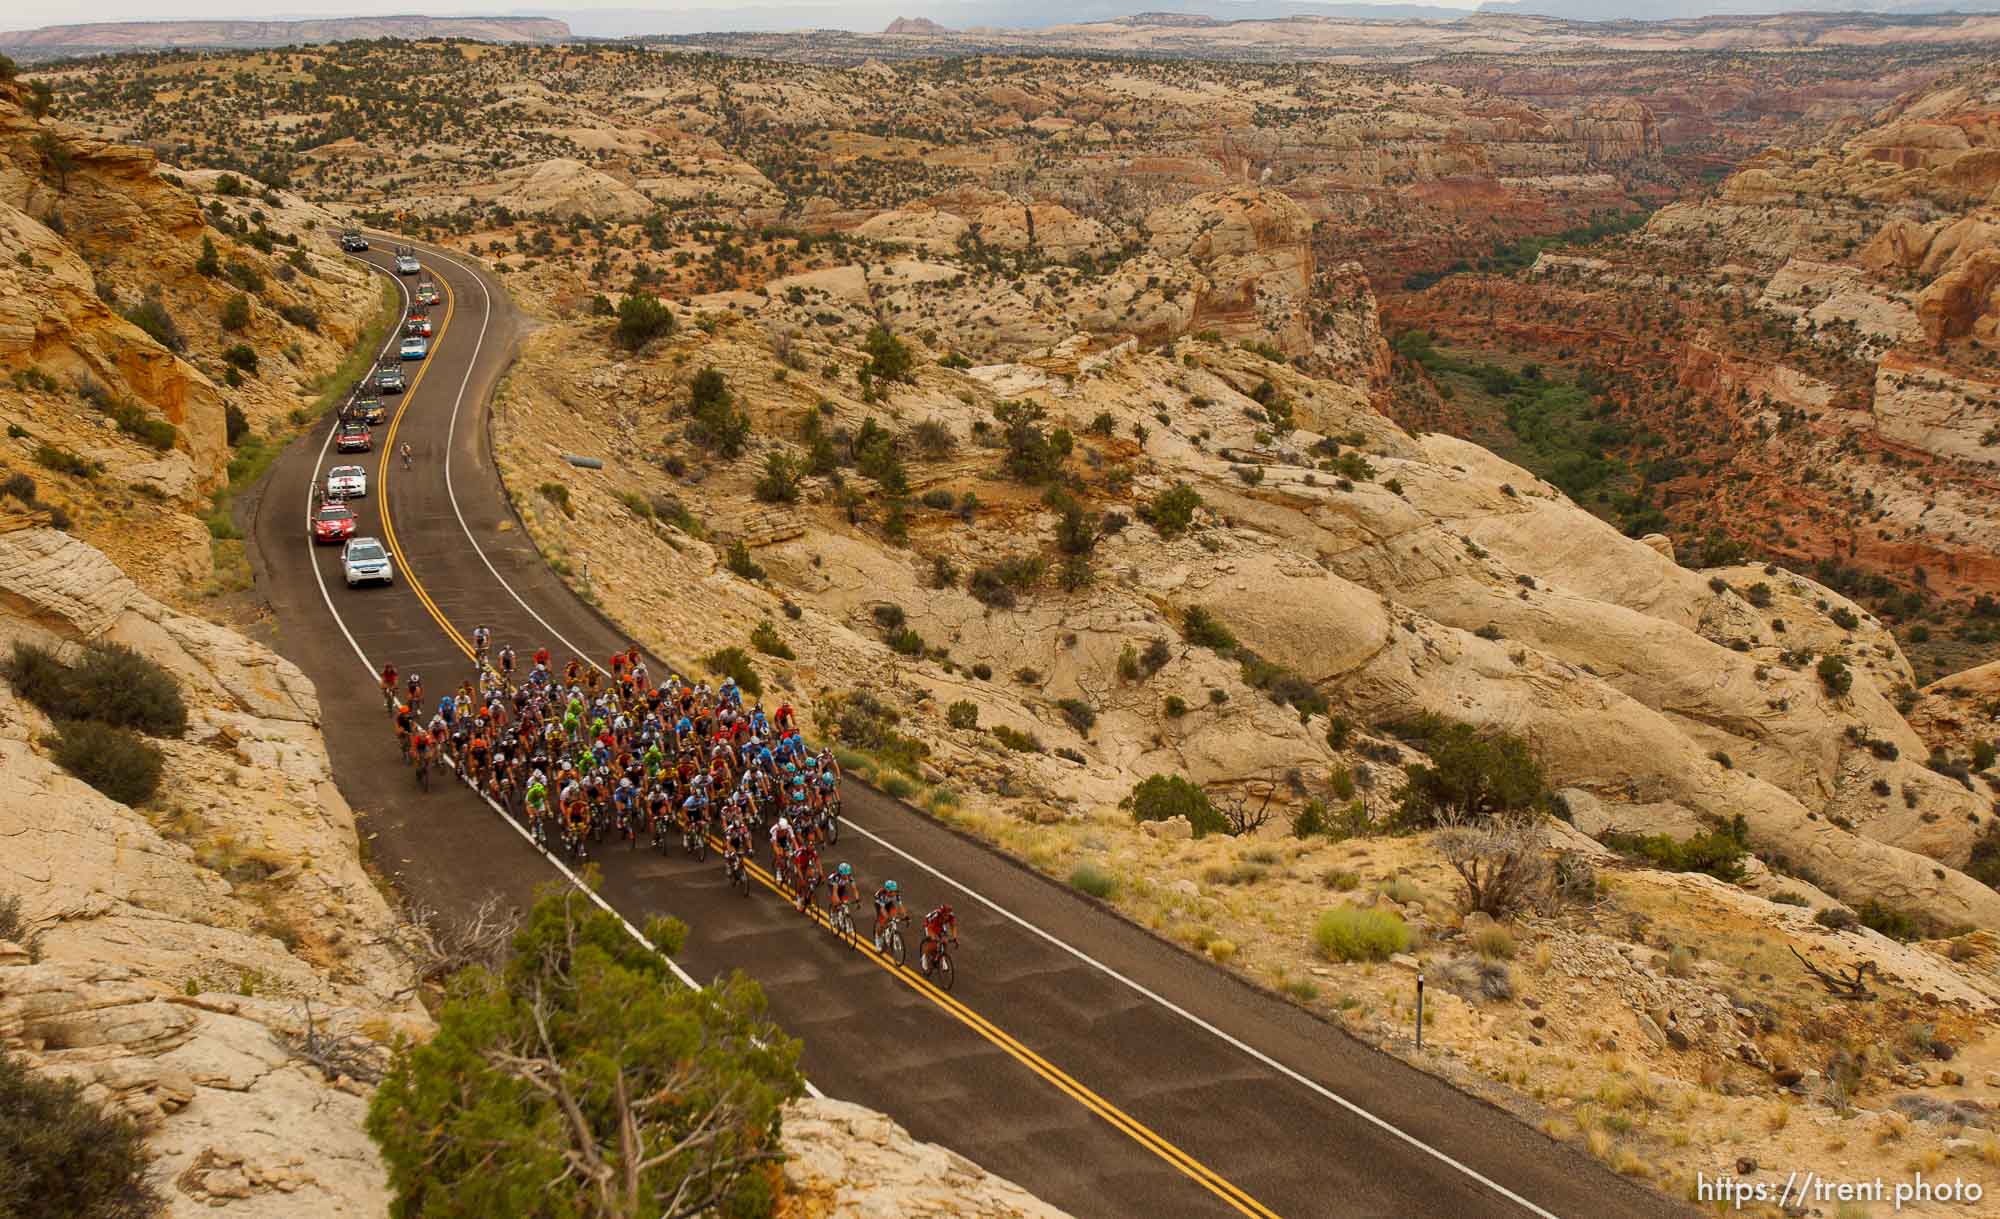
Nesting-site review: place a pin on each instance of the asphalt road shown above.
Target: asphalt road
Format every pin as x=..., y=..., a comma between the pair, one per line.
x=1104, y=1070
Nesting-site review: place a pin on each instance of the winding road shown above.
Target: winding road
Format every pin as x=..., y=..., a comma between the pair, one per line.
x=1110, y=1073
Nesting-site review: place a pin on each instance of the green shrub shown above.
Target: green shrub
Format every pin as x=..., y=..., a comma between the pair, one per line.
x=1889, y=921
x=304, y=317
x=63, y=1156
x=641, y=319
x=1091, y=879
x=962, y=714
x=1081, y=715
x=235, y=424
x=135, y=422
x=116, y=761
x=717, y=423
x=62, y=461
x=1310, y=820
x=906, y=642
x=236, y=312
x=151, y=316
x=1161, y=797
x=779, y=483
x=734, y=662
x=1493, y=943
x=243, y=275
x=738, y=560
x=1834, y=675
x=1984, y=864
x=1203, y=629
x=110, y=683
x=1174, y=706
x=1172, y=510
x=1837, y=918
x=1983, y=753
x=1719, y=852
x=241, y=355
x=1470, y=774
x=889, y=357
x=1016, y=740
x=1349, y=933
x=766, y=640
x=558, y=494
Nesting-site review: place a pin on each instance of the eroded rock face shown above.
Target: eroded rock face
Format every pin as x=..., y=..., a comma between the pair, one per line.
x=845, y=1160
x=179, y=950
x=1252, y=249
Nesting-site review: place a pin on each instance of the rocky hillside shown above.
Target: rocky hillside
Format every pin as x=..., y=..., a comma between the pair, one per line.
x=183, y=944
x=1020, y=587
x=142, y=310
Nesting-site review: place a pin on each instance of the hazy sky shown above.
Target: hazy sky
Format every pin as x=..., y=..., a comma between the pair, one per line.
x=27, y=14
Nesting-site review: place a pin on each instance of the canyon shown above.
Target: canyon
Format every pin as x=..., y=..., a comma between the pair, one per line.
x=1042, y=427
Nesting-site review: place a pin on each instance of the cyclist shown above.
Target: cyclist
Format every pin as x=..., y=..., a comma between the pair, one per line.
x=805, y=864
x=506, y=658
x=940, y=926
x=480, y=638
x=416, y=685
x=538, y=800
x=479, y=749
x=420, y=749
x=405, y=719
x=783, y=843
x=406, y=454
x=840, y=888
x=389, y=679
x=888, y=905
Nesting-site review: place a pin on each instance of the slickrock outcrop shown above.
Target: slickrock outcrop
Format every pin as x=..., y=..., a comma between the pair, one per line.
x=846, y=1160
x=183, y=944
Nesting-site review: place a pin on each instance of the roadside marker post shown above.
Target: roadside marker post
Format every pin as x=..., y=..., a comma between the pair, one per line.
x=1420, y=1013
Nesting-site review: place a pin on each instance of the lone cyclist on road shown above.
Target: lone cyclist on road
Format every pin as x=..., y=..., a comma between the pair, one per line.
x=406, y=454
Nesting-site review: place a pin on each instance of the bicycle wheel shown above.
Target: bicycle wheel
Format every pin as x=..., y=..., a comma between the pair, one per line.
x=833, y=827
x=424, y=775
x=893, y=948
x=942, y=973
x=843, y=926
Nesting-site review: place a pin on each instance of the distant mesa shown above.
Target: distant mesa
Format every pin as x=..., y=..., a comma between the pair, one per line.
x=915, y=25
x=1170, y=19
x=112, y=37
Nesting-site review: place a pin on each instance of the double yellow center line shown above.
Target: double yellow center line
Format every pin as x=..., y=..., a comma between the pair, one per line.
x=388, y=454
x=1065, y=1083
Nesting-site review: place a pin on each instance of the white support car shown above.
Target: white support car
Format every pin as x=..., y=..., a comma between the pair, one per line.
x=346, y=482
x=366, y=559
x=406, y=262
x=416, y=347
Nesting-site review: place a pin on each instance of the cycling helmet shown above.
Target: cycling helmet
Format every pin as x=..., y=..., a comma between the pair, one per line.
x=418, y=678
x=889, y=885
x=845, y=870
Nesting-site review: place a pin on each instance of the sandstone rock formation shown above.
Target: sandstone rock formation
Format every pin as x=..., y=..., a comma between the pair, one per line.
x=181, y=945
x=847, y=1160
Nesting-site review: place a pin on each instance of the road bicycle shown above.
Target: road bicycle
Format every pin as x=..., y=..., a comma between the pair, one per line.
x=806, y=889
x=939, y=969
x=739, y=876
x=694, y=840
x=892, y=939
x=422, y=763
x=842, y=923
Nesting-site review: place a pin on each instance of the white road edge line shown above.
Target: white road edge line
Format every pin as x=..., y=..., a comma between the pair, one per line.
x=1312, y=1085
x=313, y=555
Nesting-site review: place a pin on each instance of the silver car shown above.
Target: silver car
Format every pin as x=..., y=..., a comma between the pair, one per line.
x=406, y=262
x=366, y=559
